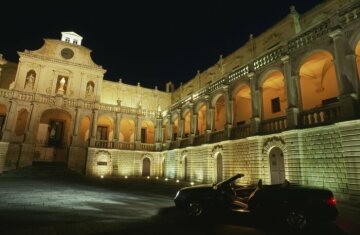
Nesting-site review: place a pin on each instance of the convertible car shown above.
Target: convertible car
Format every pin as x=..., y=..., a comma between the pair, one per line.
x=294, y=205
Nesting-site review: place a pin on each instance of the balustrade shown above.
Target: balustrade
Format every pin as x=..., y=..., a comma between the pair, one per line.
x=104, y=144
x=273, y=125
x=320, y=116
x=217, y=136
x=241, y=131
x=185, y=142
x=199, y=140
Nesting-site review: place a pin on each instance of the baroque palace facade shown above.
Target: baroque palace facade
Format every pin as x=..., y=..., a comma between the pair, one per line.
x=284, y=105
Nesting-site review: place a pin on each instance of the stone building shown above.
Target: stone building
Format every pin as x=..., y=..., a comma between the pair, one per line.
x=284, y=105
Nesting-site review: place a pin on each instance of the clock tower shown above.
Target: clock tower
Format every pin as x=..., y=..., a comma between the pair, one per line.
x=71, y=37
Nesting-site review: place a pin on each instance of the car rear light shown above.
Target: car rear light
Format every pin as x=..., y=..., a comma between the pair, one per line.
x=331, y=201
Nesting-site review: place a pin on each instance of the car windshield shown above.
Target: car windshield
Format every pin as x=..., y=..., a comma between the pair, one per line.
x=231, y=179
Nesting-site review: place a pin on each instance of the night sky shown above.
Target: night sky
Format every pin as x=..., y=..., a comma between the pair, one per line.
x=151, y=42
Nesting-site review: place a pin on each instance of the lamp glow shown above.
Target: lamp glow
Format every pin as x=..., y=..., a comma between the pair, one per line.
x=166, y=179
x=126, y=176
x=192, y=183
x=102, y=177
x=147, y=177
x=177, y=181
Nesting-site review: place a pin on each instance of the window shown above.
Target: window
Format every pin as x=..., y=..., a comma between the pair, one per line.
x=67, y=39
x=102, y=133
x=75, y=42
x=275, y=105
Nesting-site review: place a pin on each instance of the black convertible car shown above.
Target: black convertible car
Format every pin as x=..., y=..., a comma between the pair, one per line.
x=295, y=205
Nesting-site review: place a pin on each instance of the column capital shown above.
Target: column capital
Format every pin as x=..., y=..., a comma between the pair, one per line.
x=337, y=33
x=251, y=75
x=285, y=59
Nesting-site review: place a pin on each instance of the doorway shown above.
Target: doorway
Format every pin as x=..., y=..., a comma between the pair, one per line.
x=56, y=132
x=277, y=168
x=146, y=167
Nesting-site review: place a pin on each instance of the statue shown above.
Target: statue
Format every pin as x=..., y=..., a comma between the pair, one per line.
x=30, y=80
x=61, y=89
x=90, y=89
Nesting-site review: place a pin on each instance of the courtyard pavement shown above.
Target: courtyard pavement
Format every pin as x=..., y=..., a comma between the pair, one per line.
x=53, y=200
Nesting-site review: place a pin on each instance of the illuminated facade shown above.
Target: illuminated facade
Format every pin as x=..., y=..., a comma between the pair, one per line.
x=284, y=105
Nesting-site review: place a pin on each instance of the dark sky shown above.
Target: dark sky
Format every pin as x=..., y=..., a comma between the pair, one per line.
x=148, y=41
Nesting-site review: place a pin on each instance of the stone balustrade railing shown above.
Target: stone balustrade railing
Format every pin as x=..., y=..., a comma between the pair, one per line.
x=199, y=140
x=318, y=31
x=240, y=131
x=73, y=103
x=320, y=116
x=185, y=142
x=217, y=136
x=273, y=125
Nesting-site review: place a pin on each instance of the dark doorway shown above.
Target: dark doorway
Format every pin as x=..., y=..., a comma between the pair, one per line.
x=56, y=132
x=146, y=167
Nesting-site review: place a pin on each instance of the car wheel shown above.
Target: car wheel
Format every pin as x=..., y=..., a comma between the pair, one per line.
x=296, y=219
x=194, y=208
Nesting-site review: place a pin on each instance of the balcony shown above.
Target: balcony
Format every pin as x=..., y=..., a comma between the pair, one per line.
x=273, y=125
x=217, y=136
x=320, y=116
x=241, y=131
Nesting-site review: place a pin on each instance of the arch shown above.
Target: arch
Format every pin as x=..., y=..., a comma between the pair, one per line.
x=274, y=101
x=105, y=128
x=318, y=83
x=84, y=129
x=146, y=166
x=147, y=132
x=219, y=174
x=127, y=130
x=54, y=128
x=219, y=113
x=242, y=105
x=2, y=118
x=237, y=86
x=357, y=55
x=21, y=122
x=175, y=122
x=216, y=97
x=201, y=112
x=277, y=166
x=187, y=119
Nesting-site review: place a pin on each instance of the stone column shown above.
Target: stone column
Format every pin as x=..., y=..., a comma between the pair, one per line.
x=10, y=121
x=292, y=94
x=228, y=112
x=117, y=127
x=345, y=76
x=209, y=120
x=191, y=126
x=94, y=127
x=255, y=105
x=29, y=134
x=170, y=129
x=74, y=139
x=158, y=134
